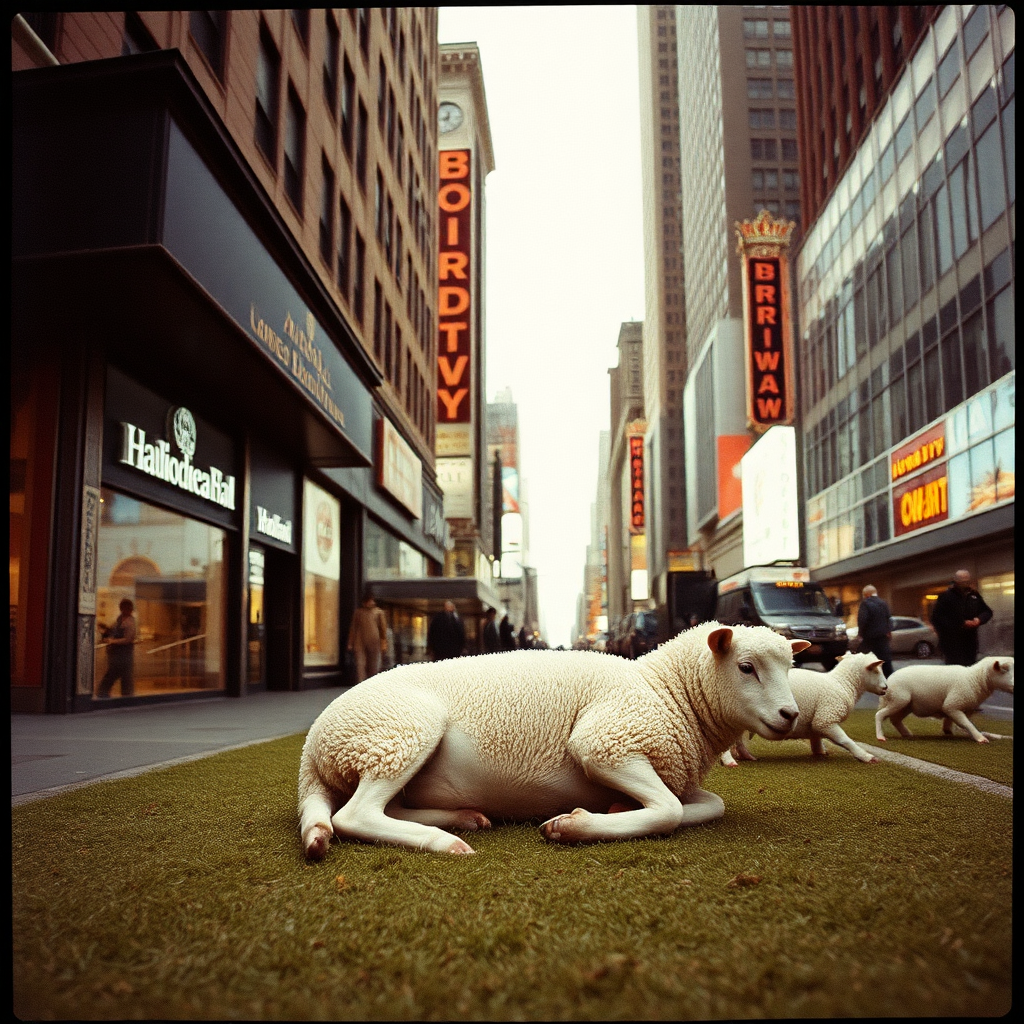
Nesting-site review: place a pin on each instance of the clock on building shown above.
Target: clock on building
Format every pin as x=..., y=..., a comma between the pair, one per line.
x=449, y=117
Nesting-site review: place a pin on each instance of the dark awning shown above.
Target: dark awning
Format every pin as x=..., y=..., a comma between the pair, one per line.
x=428, y=594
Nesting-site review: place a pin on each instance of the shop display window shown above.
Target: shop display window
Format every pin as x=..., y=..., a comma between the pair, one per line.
x=172, y=569
x=321, y=575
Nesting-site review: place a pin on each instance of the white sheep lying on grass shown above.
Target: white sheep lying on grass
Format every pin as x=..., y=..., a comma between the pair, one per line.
x=529, y=734
x=825, y=700
x=950, y=692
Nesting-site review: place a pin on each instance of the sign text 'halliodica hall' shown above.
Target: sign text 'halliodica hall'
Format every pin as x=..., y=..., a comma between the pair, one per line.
x=155, y=459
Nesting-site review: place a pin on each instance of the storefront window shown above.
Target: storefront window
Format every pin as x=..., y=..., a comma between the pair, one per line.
x=322, y=571
x=168, y=573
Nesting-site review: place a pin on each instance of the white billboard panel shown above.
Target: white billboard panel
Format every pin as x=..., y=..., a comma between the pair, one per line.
x=770, y=512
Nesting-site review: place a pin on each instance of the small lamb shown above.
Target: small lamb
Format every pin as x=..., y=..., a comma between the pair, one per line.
x=528, y=734
x=825, y=700
x=950, y=692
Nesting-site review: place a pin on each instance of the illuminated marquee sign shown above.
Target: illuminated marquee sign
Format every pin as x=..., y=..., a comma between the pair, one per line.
x=922, y=450
x=454, y=202
x=154, y=458
x=920, y=502
x=769, y=350
x=636, y=486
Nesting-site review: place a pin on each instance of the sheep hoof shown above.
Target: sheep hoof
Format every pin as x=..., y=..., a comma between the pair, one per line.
x=471, y=821
x=872, y=760
x=460, y=848
x=561, y=828
x=316, y=841
x=984, y=739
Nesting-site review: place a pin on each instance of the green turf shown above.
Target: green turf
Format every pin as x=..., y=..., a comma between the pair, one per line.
x=829, y=889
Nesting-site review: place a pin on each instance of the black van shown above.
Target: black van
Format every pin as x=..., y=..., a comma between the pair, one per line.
x=784, y=599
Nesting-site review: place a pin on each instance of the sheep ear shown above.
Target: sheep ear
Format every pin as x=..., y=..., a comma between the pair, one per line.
x=997, y=666
x=720, y=640
x=873, y=664
x=799, y=645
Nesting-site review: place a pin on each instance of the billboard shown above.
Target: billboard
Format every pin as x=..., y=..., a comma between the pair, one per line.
x=455, y=478
x=636, y=484
x=454, y=351
x=770, y=508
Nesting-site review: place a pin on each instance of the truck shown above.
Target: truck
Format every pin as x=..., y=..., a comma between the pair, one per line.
x=783, y=598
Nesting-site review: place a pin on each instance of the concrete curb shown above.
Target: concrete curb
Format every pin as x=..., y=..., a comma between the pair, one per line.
x=941, y=772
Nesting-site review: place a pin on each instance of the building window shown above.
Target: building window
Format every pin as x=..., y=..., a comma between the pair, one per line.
x=180, y=613
x=791, y=181
x=268, y=70
x=358, y=270
x=361, y=128
x=762, y=118
x=782, y=30
x=207, y=29
x=975, y=29
x=755, y=29
x=348, y=93
x=332, y=47
x=759, y=89
x=787, y=90
x=294, y=150
x=784, y=59
x=759, y=58
x=344, y=244
x=991, y=182
x=321, y=563
x=327, y=214
x=300, y=19
x=363, y=22
x=787, y=120
x=789, y=149
x=757, y=180
x=949, y=70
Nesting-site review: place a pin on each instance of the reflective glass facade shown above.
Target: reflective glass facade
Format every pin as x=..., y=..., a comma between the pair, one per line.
x=906, y=287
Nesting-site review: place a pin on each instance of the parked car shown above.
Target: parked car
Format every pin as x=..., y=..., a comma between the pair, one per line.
x=909, y=637
x=641, y=634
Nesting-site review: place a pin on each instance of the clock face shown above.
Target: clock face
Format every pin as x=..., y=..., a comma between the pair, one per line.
x=449, y=117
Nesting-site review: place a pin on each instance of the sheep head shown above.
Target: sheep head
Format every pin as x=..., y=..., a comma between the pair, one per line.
x=1000, y=674
x=868, y=672
x=752, y=664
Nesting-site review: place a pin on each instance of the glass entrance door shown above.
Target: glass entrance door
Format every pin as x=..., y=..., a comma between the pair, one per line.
x=256, y=672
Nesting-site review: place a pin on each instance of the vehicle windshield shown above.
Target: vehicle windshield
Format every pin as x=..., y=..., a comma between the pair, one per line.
x=790, y=598
x=647, y=621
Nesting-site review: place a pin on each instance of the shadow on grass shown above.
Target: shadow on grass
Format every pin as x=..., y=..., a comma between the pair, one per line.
x=834, y=889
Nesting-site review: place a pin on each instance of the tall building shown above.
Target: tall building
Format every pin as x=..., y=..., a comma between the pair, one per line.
x=906, y=290
x=627, y=506
x=738, y=156
x=664, y=328
x=592, y=610
x=512, y=520
x=224, y=343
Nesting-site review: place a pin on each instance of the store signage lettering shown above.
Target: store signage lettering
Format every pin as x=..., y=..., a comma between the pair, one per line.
x=272, y=525
x=303, y=359
x=921, y=502
x=454, y=201
x=399, y=471
x=155, y=459
x=922, y=450
x=636, y=476
x=769, y=398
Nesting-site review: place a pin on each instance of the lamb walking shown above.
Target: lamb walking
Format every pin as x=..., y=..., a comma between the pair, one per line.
x=825, y=700
x=526, y=735
x=950, y=692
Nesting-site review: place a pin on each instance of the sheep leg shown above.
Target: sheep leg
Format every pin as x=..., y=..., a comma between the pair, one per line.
x=466, y=820
x=817, y=750
x=741, y=750
x=660, y=811
x=966, y=724
x=363, y=816
x=728, y=760
x=840, y=739
x=896, y=717
x=316, y=805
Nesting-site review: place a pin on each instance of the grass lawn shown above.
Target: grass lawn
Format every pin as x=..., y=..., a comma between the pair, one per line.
x=830, y=888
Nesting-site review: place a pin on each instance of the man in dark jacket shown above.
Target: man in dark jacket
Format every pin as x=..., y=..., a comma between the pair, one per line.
x=957, y=614
x=492, y=642
x=446, y=636
x=507, y=633
x=874, y=627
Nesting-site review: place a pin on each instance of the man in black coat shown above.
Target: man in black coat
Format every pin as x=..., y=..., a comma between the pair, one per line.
x=446, y=636
x=957, y=614
x=492, y=642
x=507, y=634
x=874, y=627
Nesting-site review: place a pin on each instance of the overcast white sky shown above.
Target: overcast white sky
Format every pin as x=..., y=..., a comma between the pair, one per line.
x=564, y=253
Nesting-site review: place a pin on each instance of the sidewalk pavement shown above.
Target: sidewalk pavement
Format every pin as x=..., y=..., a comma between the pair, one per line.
x=50, y=753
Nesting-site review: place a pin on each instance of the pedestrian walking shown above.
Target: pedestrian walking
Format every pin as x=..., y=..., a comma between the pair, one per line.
x=524, y=637
x=874, y=627
x=446, y=636
x=368, y=637
x=492, y=640
x=507, y=634
x=120, y=640
x=956, y=616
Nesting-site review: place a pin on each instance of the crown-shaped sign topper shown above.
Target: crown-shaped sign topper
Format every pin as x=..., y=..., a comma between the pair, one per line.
x=764, y=229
